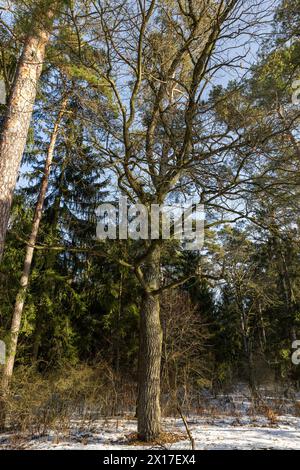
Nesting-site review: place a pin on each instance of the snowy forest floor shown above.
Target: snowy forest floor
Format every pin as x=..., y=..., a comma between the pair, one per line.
x=223, y=422
x=223, y=432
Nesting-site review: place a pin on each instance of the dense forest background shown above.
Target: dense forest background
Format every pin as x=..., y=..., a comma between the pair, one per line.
x=232, y=311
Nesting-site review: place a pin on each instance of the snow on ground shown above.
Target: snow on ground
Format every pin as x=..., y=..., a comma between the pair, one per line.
x=221, y=433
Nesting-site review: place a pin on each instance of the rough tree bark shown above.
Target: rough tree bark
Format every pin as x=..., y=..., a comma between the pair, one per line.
x=148, y=410
x=18, y=115
x=24, y=281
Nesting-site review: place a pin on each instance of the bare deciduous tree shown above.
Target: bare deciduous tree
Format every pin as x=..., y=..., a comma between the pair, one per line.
x=159, y=61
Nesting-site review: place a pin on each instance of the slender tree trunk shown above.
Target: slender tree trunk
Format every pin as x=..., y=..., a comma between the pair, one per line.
x=18, y=116
x=118, y=337
x=36, y=343
x=251, y=374
x=287, y=287
x=262, y=325
x=149, y=413
x=248, y=352
x=24, y=281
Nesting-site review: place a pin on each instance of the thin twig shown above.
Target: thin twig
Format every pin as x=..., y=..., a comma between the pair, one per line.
x=188, y=431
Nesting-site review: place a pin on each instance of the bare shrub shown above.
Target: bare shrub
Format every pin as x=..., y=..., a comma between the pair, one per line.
x=59, y=401
x=297, y=407
x=185, y=361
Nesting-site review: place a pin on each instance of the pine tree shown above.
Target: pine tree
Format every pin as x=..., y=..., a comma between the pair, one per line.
x=17, y=118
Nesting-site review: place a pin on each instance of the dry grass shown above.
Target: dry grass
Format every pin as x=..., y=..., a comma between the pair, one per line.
x=271, y=415
x=164, y=439
x=38, y=403
x=297, y=408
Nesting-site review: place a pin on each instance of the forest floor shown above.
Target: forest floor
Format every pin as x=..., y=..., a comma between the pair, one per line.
x=222, y=422
x=222, y=433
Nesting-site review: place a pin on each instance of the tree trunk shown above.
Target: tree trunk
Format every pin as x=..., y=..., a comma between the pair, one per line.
x=18, y=116
x=262, y=327
x=24, y=281
x=251, y=375
x=118, y=323
x=149, y=413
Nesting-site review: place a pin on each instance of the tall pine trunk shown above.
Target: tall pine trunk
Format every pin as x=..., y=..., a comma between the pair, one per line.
x=18, y=115
x=24, y=281
x=148, y=410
